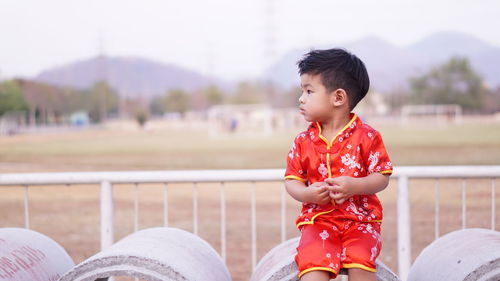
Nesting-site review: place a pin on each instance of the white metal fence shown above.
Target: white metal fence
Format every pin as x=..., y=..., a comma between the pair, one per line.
x=107, y=179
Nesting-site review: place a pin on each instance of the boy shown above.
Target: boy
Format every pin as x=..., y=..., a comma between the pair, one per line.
x=335, y=168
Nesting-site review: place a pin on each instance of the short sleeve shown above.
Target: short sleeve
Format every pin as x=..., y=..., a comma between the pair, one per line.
x=293, y=164
x=376, y=158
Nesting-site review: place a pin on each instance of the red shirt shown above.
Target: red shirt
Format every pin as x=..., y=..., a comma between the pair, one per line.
x=356, y=151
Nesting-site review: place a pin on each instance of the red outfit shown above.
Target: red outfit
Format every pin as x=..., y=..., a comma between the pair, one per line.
x=356, y=151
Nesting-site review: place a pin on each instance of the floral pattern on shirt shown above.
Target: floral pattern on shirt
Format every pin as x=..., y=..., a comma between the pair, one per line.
x=357, y=151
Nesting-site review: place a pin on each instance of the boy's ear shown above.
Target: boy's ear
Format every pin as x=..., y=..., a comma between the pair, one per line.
x=339, y=97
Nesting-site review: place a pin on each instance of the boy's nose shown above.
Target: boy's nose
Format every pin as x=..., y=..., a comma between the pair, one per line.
x=301, y=98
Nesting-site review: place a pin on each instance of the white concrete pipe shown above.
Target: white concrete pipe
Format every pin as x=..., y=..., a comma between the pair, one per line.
x=26, y=255
x=463, y=255
x=279, y=265
x=154, y=254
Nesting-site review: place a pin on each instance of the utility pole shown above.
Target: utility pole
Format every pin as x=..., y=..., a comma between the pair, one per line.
x=269, y=31
x=270, y=46
x=102, y=77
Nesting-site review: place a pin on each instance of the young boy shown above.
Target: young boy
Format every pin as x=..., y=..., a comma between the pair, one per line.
x=335, y=168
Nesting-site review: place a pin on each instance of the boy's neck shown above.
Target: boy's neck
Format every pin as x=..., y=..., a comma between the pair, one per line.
x=331, y=127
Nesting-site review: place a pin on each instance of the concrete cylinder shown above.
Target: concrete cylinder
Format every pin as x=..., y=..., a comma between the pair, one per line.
x=26, y=255
x=154, y=254
x=279, y=265
x=463, y=255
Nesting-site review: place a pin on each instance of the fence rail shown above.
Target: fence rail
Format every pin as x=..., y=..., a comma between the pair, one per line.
x=107, y=179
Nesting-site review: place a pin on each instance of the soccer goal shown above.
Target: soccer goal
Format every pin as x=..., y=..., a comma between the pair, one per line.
x=439, y=113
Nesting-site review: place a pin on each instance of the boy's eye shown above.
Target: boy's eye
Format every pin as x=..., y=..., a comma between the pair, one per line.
x=309, y=91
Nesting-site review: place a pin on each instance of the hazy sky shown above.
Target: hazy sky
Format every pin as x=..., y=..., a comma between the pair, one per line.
x=226, y=38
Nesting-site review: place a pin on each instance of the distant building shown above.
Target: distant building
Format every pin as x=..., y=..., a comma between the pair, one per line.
x=241, y=119
x=372, y=105
x=12, y=122
x=253, y=119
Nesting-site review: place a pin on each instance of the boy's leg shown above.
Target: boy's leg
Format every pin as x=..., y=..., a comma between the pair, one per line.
x=361, y=246
x=316, y=276
x=318, y=251
x=357, y=274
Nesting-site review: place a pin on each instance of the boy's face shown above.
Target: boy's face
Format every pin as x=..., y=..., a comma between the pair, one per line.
x=315, y=103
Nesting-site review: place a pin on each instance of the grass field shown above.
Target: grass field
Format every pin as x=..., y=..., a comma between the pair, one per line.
x=160, y=149
x=70, y=215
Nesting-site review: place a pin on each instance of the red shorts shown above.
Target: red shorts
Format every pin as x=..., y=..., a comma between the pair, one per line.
x=333, y=244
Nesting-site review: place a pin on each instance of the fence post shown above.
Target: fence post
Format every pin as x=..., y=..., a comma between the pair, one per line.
x=404, y=230
x=26, y=207
x=106, y=215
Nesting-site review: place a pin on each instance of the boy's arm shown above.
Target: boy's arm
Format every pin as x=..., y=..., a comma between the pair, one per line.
x=342, y=188
x=317, y=192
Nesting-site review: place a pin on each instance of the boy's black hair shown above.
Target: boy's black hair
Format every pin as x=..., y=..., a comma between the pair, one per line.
x=339, y=69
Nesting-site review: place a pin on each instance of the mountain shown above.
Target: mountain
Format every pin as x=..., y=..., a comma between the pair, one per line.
x=131, y=77
x=440, y=46
x=390, y=66
x=385, y=62
x=488, y=64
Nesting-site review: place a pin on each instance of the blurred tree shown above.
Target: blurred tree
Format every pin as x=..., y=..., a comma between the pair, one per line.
x=199, y=100
x=76, y=100
x=177, y=101
x=157, y=106
x=271, y=94
x=141, y=117
x=50, y=104
x=248, y=93
x=203, y=99
x=493, y=101
x=454, y=82
x=102, y=100
x=213, y=95
x=141, y=113
x=291, y=97
x=11, y=97
x=398, y=97
x=46, y=102
x=54, y=103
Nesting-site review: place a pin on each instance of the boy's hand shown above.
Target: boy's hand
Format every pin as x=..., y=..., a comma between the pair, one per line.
x=341, y=188
x=318, y=193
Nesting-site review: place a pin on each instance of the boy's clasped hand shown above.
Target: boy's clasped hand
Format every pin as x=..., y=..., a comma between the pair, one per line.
x=332, y=190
